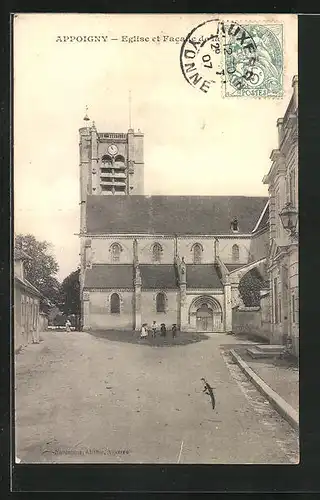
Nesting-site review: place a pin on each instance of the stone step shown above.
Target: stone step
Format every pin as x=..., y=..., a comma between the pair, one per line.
x=272, y=348
x=256, y=354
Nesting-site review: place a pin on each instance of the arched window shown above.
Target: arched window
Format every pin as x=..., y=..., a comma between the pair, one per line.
x=119, y=159
x=235, y=252
x=106, y=159
x=115, y=252
x=161, y=302
x=156, y=252
x=115, y=304
x=197, y=253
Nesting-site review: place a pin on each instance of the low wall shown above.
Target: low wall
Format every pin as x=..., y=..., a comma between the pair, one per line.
x=250, y=320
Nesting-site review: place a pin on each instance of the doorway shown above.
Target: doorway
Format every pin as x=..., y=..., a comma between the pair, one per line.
x=204, y=319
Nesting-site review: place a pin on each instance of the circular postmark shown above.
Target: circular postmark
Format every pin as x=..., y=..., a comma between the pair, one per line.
x=220, y=52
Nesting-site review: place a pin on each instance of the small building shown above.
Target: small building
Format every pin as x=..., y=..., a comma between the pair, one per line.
x=27, y=320
x=283, y=262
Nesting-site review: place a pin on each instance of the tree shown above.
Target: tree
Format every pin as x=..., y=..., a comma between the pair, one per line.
x=51, y=289
x=250, y=286
x=70, y=295
x=41, y=269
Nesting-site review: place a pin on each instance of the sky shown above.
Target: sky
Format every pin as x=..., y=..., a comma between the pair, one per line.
x=195, y=143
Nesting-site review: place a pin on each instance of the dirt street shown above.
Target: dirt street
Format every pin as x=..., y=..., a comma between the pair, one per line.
x=85, y=398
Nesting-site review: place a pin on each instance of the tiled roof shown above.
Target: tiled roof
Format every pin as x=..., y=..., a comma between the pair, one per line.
x=121, y=276
x=158, y=276
x=172, y=214
x=27, y=286
x=109, y=276
x=202, y=276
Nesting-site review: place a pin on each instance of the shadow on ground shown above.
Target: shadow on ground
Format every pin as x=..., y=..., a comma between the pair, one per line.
x=134, y=338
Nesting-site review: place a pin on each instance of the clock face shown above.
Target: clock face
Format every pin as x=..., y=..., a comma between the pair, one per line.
x=112, y=149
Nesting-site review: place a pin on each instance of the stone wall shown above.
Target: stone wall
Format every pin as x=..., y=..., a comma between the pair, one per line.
x=185, y=249
x=99, y=316
x=265, y=314
x=145, y=249
x=252, y=321
x=225, y=249
x=259, y=248
x=100, y=249
x=149, y=310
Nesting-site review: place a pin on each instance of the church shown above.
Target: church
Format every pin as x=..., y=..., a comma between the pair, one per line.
x=170, y=259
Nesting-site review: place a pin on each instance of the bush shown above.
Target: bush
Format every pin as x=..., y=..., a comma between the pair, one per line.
x=249, y=288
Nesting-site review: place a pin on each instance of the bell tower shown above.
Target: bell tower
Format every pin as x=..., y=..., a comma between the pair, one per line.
x=110, y=163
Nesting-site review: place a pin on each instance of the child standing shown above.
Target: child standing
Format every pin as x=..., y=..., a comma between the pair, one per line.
x=174, y=331
x=144, y=332
x=163, y=330
x=154, y=329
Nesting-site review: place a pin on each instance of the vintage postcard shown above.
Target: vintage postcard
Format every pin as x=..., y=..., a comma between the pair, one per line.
x=156, y=290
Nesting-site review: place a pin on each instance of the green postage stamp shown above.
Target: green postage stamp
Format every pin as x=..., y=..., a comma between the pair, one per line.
x=260, y=72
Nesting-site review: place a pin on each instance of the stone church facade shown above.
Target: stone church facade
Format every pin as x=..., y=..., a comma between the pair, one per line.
x=172, y=259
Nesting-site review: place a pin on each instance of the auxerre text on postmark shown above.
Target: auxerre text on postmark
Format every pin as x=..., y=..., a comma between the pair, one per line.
x=243, y=60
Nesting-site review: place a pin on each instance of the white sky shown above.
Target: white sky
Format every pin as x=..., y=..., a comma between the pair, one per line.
x=195, y=143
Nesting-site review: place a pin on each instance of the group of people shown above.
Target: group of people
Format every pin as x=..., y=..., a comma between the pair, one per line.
x=152, y=330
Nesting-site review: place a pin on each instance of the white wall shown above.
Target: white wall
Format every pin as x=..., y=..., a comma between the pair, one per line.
x=145, y=249
x=101, y=254
x=100, y=316
x=225, y=249
x=185, y=249
x=149, y=310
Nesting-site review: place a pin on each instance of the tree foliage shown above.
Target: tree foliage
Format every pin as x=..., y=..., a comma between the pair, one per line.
x=250, y=286
x=41, y=269
x=70, y=294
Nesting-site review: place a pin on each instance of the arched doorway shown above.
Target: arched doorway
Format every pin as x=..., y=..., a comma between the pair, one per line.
x=204, y=319
x=205, y=315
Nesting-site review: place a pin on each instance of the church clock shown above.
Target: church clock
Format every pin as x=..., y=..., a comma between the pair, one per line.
x=112, y=149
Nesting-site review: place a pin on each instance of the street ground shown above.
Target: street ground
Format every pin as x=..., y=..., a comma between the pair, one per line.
x=281, y=375
x=110, y=397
